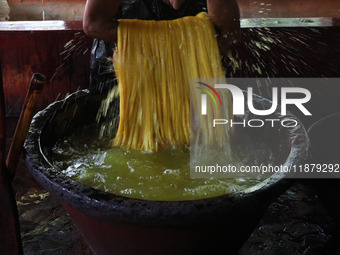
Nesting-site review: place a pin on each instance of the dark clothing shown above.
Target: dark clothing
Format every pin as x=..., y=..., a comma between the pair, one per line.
x=102, y=75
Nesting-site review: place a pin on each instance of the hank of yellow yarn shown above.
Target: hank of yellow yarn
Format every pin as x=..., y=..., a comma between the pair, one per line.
x=154, y=62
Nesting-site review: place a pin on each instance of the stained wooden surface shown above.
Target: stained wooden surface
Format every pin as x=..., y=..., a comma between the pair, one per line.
x=62, y=55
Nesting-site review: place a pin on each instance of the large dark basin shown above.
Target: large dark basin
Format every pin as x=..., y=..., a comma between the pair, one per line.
x=118, y=225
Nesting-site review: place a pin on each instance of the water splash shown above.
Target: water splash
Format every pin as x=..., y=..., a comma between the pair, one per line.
x=109, y=107
x=78, y=45
x=274, y=53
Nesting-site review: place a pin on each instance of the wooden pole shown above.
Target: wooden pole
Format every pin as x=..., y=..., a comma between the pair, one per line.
x=28, y=110
x=10, y=240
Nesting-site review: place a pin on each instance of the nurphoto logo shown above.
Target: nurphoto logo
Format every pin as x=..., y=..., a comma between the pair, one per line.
x=294, y=96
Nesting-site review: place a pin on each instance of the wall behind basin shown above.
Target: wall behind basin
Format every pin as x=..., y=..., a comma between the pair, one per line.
x=73, y=9
x=46, y=9
x=289, y=8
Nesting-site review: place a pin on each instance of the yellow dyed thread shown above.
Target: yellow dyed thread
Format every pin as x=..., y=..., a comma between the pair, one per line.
x=154, y=62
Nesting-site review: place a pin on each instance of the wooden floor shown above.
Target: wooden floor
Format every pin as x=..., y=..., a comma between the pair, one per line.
x=45, y=226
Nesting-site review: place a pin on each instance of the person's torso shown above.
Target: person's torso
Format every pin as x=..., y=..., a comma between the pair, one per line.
x=101, y=65
x=158, y=9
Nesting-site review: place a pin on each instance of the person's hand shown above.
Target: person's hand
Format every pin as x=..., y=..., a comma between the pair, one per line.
x=225, y=14
x=98, y=19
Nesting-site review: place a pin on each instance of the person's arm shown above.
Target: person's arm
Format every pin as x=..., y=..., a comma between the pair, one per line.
x=98, y=19
x=225, y=14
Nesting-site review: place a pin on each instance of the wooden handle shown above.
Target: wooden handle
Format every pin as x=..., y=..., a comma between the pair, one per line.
x=35, y=88
x=10, y=240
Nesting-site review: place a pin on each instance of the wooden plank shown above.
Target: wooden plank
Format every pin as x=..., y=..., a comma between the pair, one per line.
x=10, y=240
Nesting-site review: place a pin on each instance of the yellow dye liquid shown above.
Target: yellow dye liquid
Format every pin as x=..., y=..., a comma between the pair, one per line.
x=161, y=176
